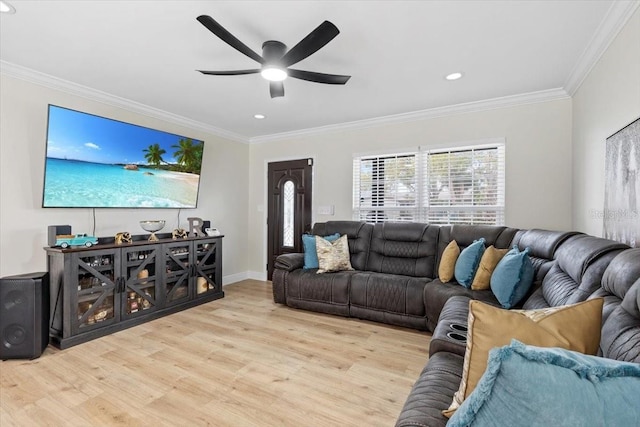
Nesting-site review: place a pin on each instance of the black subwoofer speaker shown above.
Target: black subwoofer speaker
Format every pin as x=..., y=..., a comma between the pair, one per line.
x=24, y=315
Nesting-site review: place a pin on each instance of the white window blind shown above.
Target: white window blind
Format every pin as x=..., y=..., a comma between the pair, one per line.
x=445, y=186
x=385, y=187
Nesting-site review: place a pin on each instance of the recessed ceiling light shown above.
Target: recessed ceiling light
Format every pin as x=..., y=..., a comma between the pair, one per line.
x=259, y=116
x=6, y=7
x=453, y=76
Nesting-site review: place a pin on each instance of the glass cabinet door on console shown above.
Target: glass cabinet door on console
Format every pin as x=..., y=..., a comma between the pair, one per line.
x=206, y=253
x=140, y=280
x=177, y=264
x=95, y=298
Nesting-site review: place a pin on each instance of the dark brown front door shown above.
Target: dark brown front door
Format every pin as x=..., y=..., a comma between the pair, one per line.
x=289, y=210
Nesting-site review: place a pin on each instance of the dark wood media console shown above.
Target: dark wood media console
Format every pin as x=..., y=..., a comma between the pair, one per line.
x=106, y=288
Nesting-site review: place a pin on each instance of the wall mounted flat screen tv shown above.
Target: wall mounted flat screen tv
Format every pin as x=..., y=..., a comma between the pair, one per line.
x=96, y=162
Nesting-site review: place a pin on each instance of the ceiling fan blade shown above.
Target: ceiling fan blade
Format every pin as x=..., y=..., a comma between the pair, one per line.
x=330, y=79
x=316, y=39
x=276, y=89
x=228, y=38
x=230, y=73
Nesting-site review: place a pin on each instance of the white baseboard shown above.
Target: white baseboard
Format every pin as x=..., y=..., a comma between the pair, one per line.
x=238, y=277
x=233, y=278
x=257, y=275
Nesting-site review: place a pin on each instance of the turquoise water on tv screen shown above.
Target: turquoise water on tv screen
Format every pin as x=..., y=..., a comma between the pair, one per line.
x=73, y=183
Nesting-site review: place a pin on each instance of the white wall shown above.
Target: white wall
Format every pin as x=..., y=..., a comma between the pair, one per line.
x=538, y=162
x=607, y=100
x=23, y=223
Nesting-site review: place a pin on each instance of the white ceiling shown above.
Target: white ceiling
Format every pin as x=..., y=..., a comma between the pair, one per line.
x=397, y=53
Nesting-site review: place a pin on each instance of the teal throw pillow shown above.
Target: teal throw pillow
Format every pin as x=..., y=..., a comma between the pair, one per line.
x=534, y=386
x=512, y=277
x=310, y=250
x=468, y=262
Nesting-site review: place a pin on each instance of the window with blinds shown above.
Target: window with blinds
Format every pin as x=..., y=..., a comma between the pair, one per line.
x=447, y=186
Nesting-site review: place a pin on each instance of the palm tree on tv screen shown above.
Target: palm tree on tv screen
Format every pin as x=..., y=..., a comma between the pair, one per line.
x=154, y=154
x=188, y=155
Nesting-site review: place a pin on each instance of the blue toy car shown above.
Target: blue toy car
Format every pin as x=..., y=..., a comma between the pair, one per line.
x=66, y=240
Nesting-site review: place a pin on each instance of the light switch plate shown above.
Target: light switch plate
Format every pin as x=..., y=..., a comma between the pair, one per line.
x=326, y=210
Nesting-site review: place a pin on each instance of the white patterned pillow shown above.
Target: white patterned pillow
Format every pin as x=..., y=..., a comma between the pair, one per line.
x=333, y=256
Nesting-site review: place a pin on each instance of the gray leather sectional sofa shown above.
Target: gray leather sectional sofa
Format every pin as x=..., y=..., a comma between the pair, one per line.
x=394, y=281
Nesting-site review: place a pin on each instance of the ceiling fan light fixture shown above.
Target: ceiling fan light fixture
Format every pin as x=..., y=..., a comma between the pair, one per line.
x=273, y=74
x=275, y=59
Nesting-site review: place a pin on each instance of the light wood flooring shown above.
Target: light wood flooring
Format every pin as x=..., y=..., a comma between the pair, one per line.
x=239, y=361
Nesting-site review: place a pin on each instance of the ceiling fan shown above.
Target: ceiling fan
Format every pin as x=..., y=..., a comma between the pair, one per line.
x=275, y=59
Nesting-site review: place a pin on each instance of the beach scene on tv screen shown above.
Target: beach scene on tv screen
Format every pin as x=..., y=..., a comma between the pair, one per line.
x=93, y=161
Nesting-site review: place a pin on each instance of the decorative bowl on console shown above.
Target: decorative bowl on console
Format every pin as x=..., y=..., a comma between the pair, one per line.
x=152, y=226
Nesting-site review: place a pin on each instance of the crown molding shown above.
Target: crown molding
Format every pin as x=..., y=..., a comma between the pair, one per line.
x=46, y=80
x=615, y=19
x=432, y=113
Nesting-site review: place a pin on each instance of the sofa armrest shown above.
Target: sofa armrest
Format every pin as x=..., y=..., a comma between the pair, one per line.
x=285, y=264
x=289, y=262
x=432, y=392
